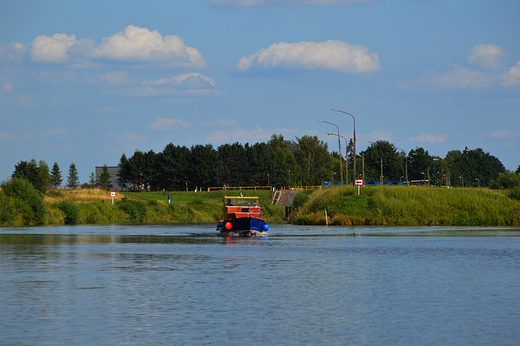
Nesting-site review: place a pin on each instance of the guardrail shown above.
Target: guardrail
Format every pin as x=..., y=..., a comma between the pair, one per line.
x=226, y=188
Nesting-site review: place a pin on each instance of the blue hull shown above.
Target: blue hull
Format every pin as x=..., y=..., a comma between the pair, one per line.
x=244, y=226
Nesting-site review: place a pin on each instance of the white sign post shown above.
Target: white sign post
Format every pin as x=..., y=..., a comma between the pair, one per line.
x=358, y=183
x=113, y=195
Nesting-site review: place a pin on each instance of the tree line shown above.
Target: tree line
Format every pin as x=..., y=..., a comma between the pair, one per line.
x=305, y=161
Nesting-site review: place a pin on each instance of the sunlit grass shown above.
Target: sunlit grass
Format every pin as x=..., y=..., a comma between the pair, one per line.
x=409, y=206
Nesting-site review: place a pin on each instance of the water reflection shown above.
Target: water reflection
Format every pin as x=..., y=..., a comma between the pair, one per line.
x=309, y=285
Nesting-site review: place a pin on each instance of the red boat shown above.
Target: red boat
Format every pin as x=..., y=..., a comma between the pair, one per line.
x=242, y=217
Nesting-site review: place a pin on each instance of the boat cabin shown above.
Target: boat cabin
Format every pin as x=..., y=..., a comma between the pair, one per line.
x=237, y=207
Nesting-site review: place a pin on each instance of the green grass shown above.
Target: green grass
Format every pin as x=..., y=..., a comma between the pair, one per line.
x=409, y=206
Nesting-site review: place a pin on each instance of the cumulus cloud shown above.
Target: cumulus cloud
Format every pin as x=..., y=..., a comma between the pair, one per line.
x=512, y=77
x=138, y=45
x=487, y=56
x=53, y=49
x=246, y=3
x=161, y=124
x=133, y=45
x=429, y=138
x=457, y=78
x=330, y=55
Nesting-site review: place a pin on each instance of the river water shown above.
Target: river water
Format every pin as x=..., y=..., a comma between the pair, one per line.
x=171, y=284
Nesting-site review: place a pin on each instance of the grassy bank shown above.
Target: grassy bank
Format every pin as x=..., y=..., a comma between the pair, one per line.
x=95, y=207
x=375, y=206
x=394, y=205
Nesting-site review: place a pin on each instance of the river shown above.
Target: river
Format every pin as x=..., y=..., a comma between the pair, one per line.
x=171, y=284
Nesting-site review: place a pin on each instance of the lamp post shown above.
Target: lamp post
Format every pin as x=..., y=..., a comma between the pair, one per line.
x=337, y=110
x=405, y=163
x=268, y=179
x=435, y=161
x=346, y=154
x=339, y=148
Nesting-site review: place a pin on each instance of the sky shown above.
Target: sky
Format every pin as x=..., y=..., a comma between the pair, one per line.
x=85, y=81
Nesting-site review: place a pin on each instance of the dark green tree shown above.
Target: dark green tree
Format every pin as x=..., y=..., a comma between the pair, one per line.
x=123, y=173
x=203, y=158
x=73, y=178
x=56, y=178
x=419, y=164
x=45, y=176
x=173, y=167
x=26, y=199
x=92, y=179
x=474, y=168
x=383, y=162
x=30, y=172
x=285, y=161
x=104, y=180
x=313, y=160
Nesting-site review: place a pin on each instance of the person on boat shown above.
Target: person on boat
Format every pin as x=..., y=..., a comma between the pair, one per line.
x=229, y=203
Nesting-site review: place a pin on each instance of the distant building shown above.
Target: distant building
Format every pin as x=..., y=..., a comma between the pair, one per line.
x=113, y=170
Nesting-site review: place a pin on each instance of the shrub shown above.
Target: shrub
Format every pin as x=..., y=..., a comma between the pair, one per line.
x=514, y=193
x=7, y=211
x=71, y=212
x=135, y=209
x=301, y=198
x=26, y=198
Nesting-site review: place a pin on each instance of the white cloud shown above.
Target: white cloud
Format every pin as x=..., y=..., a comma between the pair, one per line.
x=487, y=55
x=53, y=49
x=140, y=45
x=13, y=52
x=329, y=55
x=7, y=87
x=179, y=79
x=512, y=77
x=161, y=124
x=246, y=3
x=133, y=45
x=429, y=138
x=457, y=78
x=182, y=84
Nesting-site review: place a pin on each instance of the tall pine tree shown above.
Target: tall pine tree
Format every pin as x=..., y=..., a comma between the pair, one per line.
x=73, y=178
x=56, y=178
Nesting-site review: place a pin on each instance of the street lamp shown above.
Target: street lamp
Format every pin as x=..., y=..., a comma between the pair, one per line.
x=346, y=154
x=337, y=110
x=405, y=163
x=339, y=148
x=435, y=161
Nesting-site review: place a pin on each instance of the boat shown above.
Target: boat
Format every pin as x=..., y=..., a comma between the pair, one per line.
x=242, y=218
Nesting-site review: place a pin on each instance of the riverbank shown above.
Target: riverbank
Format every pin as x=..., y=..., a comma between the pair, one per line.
x=400, y=206
x=86, y=206
x=392, y=205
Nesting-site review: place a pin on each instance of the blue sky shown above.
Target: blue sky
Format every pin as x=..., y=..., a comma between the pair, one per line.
x=84, y=82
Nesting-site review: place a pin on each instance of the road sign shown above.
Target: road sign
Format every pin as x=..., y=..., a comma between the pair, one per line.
x=358, y=182
x=113, y=194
